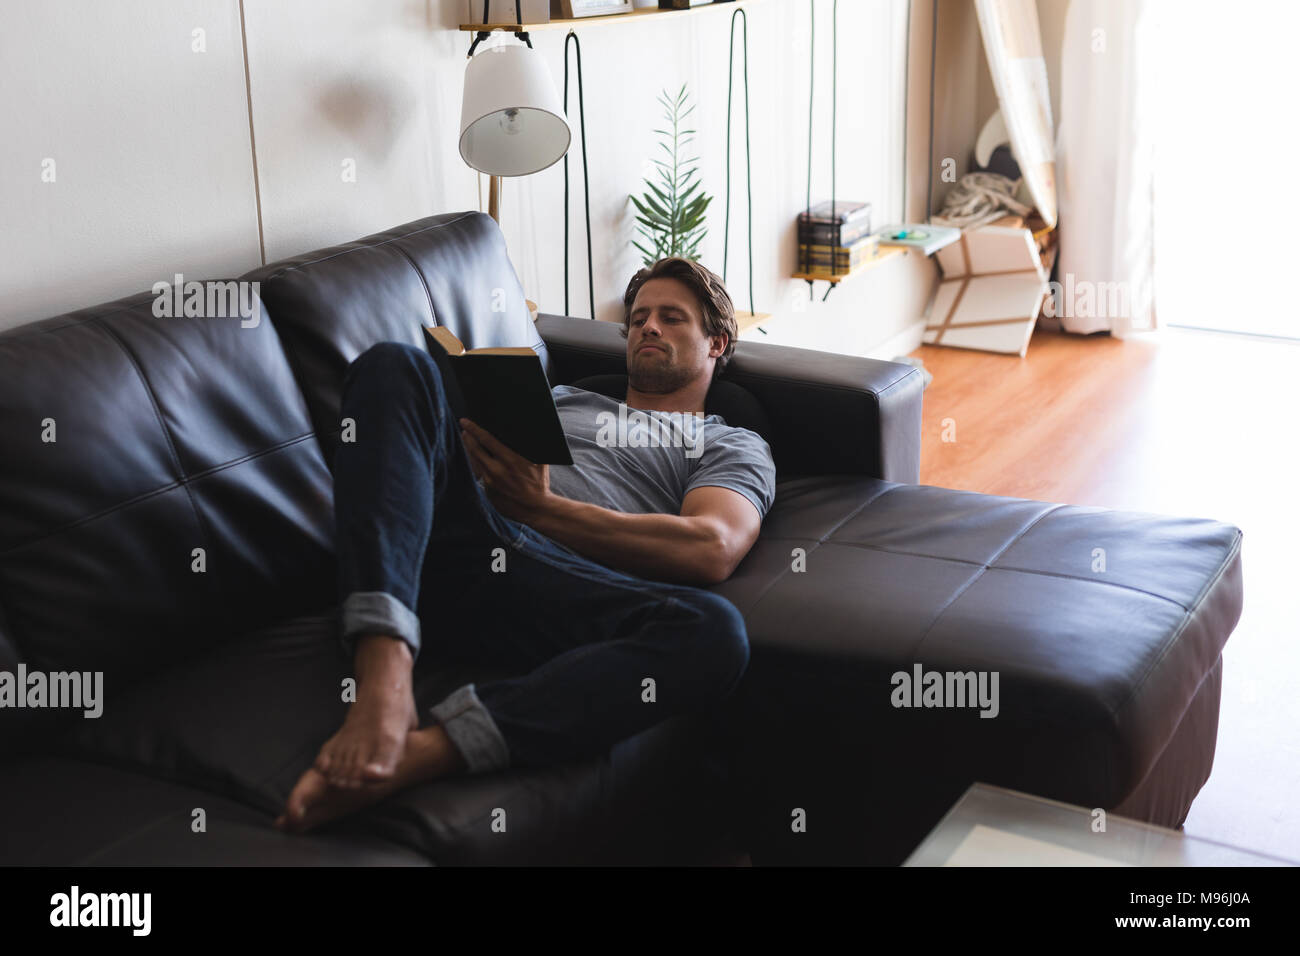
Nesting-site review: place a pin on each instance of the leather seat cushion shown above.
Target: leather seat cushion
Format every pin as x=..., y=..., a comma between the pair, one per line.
x=72, y=812
x=244, y=722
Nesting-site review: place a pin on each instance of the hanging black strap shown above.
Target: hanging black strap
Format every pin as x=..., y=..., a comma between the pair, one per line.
x=835, y=71
x=519, y=21
x=482, y=35
x=812, y=74
x=835, y=78
x=586, y=190
x=812, y=71
x=749, y=193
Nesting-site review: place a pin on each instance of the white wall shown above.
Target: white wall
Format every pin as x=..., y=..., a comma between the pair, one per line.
x=155, y=161
x=146, y=142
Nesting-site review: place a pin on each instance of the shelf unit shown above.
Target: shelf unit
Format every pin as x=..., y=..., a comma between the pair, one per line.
x=747, y=320
x=885, y=252
x=632, y=16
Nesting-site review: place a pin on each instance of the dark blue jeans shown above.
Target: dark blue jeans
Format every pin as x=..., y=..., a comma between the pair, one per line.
x=424, y=556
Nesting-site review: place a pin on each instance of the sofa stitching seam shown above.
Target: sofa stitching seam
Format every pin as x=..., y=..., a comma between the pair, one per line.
x=204, y=531
x=1019, y=570
x=144, y=496
x=433, y=315
x=817, y=544
x=978, y=574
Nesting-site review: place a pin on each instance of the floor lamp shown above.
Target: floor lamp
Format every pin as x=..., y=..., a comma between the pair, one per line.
x=511, y=120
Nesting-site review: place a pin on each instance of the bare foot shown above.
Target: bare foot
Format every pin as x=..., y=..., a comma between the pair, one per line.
x=369, y=744
x=427, y=754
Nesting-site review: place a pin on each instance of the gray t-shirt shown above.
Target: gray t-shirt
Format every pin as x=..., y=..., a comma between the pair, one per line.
x=644, y=462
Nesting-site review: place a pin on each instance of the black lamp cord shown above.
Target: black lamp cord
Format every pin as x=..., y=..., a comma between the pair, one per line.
x=586, y=190
x=835, y=77
x=484, y=34
x=749, y=193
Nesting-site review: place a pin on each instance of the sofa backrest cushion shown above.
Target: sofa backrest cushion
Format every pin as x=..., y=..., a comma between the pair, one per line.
x=332, y=304
x=130, y=442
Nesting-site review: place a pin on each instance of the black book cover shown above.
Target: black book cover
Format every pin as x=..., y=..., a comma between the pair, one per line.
x=505, y=392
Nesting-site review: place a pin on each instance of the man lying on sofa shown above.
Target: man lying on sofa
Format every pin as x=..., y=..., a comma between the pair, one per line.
x=588, y=578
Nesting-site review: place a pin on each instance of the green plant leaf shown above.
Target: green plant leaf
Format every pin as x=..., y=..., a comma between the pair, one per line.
x=652, y=220
x=662, y=210
x=670, y=213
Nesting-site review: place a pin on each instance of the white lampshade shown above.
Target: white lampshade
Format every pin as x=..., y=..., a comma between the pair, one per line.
x=511, y=120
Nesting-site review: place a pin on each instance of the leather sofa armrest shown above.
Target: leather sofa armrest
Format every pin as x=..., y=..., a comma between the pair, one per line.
x=829, y=413
x=581, y=347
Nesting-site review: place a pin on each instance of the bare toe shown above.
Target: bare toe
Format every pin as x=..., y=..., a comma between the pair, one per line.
x=309, y=790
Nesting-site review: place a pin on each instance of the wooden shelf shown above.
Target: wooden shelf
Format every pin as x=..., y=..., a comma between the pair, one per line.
x=637, y=16
x=885, y=252
x=747, y=320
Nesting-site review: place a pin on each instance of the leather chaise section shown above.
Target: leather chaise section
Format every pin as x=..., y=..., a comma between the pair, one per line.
x=1096, y=668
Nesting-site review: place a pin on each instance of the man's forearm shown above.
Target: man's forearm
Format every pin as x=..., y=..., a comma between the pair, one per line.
x=686, y=550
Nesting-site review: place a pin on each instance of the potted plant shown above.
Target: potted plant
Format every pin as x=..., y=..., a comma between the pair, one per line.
x=670, y=215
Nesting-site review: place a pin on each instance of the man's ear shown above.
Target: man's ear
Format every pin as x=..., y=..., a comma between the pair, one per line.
x=717, y=345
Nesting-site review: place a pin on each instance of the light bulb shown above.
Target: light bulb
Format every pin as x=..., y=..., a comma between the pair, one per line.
x=510, y=122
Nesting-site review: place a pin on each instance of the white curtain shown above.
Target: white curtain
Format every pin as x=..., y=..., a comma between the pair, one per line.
x=1105, y=168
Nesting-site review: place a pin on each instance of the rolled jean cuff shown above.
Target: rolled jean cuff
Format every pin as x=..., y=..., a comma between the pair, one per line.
x=367, y=613
x=473, y=731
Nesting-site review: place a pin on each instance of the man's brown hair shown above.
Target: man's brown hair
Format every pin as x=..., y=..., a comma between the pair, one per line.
x=709, y=292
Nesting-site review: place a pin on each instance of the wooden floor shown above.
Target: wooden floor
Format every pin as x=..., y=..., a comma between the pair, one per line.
x=1178, y=422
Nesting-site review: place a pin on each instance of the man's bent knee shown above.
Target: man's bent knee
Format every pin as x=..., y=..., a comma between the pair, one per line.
x=394, y=370
x=390, y=360
x=723, y=639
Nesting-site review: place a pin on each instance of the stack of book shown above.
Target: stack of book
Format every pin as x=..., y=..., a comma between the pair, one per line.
x=835, y=241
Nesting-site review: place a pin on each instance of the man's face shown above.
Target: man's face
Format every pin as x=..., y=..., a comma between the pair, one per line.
x=666, y=345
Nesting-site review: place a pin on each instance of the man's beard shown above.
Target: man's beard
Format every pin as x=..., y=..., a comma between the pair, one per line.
x=655, y=378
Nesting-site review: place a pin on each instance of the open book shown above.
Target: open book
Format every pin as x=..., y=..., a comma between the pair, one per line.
x=504, y=391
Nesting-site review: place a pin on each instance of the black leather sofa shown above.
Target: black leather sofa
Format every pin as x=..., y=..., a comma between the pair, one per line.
x=215, y=433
